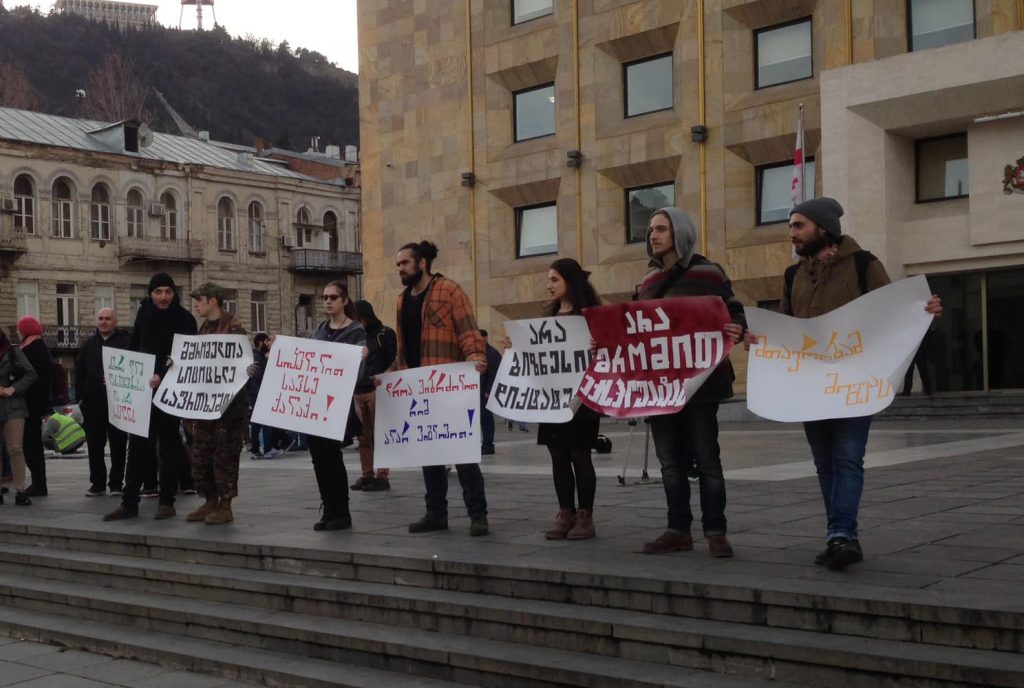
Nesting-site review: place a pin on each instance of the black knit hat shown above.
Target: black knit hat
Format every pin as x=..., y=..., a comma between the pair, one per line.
x=160, y=279
x=824, y=211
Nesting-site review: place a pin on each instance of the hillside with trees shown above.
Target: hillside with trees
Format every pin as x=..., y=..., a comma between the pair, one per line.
x=238, y=89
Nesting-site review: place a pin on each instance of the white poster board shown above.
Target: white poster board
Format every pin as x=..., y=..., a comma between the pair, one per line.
x=206, y=373
x=847, y=363
x=539, y=375
x=428, y=416
x=129, y=396
x=308, y=386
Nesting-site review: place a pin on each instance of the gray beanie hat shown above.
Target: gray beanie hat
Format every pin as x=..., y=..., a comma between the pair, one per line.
x=824, y=211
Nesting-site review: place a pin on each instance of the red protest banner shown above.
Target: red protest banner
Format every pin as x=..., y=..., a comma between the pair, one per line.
x=652, y=356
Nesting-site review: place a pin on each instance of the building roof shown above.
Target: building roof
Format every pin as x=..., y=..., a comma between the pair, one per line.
x=24, y=126
x=321, y=158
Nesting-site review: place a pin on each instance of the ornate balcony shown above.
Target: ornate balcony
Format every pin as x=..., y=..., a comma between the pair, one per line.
x=134, y=249
x=320, y=261
x=12, y=242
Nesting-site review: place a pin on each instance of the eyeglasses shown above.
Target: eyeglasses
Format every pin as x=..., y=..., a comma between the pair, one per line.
x=331, y=297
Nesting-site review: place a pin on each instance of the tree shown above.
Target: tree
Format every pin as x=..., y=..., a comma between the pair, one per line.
x=114, y=92
x=16, y=91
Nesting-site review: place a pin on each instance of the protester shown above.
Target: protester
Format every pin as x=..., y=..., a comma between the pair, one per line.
x=38, y=399
x=833, y=271
x=160, y=317
x=216, y=444
x=382, y=345
x=16, y=376
x=436, y=326
x=570, y=444
x=62, y=434
x=91, y=394
x=690, y=436
x=261, y=347
x=486, y=384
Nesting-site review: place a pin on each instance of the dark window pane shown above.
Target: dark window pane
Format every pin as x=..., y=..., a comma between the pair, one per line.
x=535, y=112
x=954, y=343
x=784, y=54
x=537, y=230
x=774, y=189
x=641, y=204
x=942, y=168
x=649, y=86
x=940, y=22
x=1005, y=291
x=525, y=10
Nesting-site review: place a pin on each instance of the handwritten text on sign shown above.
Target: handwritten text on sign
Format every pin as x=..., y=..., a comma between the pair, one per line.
x=206, y=373
x=428, y=416
x=307, y=386
x=129, y=395
x=539, y=374
x=652, y=356
x=843, y=364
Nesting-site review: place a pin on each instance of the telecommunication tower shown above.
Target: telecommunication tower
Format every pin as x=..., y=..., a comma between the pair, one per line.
x=199, y=12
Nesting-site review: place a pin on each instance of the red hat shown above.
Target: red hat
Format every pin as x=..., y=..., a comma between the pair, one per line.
x=29, y=326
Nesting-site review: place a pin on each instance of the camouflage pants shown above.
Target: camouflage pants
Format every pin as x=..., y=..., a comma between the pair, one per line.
x=215, y=449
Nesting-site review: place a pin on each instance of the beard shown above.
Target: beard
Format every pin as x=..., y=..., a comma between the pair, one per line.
x=414, y=278
x=812, y=247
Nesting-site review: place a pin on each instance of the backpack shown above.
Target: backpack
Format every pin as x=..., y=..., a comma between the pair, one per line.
x=59, y=386
x=861, y=258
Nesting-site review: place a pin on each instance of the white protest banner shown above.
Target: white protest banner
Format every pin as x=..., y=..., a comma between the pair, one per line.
x=847, y=363
x=428, y=416
x=206, y=373
x=307, y=386
x=129, y=396
x=539, y=375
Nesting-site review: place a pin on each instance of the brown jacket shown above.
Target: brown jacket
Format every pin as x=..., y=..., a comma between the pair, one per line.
x=821, y=286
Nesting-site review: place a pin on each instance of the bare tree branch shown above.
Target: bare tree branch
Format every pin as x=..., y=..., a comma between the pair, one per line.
x=114, y=92
x=16, y=91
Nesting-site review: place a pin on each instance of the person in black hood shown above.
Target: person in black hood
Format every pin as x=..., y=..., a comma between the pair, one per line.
x=160, y=317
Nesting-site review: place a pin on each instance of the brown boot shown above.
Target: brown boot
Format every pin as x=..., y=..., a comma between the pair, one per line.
x=222, y=514
x=164, y=511
x=205, y=510
x=564, y=520
x=719, y=547
x=670, y=542
x=584, y=528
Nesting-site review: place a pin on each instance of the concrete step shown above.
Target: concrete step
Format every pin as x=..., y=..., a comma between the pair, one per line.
x=156, y=595
x=983, y=622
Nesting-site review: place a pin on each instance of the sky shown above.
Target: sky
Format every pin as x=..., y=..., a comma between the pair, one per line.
x=326, y=26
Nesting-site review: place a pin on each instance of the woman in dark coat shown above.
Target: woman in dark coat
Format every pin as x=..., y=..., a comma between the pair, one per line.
x=16, y=376
x=38, y=399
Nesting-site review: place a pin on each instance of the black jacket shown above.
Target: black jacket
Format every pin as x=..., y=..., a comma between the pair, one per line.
x=38, y=395
x=487, y=381
x=383, y=348
x=155, y=329
x=89, y=383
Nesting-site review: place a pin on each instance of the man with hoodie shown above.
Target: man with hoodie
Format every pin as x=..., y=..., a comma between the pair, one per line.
x=382, y=348
x=690, y=436
x=160, y=317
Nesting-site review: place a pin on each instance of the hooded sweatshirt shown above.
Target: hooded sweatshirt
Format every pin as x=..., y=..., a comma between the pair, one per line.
x=693, y=275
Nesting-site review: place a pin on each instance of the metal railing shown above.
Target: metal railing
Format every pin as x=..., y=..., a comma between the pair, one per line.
x=138, y=249
x=318, y=260
x=12, y=240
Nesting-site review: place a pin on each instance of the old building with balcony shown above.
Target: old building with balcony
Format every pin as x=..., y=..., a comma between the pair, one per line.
x=90, y=210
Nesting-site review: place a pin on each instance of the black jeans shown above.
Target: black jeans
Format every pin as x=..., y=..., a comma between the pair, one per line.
x=164, y=438
x=97, y=431
x=472, y=479
x=690, y=437
x=35, y=459
x=331, y=476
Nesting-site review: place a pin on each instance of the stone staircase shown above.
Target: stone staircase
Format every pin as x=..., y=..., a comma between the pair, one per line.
x=993, y=404
x=300, y=617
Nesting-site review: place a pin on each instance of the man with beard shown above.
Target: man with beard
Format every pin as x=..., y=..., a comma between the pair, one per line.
x=833, y=270
x=436, y=326
x=160, y=317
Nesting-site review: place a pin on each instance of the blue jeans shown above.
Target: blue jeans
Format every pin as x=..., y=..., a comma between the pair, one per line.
x=436, y=480
x=487, y=428
x=838, y=446
x=690, y=437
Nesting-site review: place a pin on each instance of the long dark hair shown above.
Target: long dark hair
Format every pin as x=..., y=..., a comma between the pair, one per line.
x=350, y=308
x=365, y=311
x=578, y=289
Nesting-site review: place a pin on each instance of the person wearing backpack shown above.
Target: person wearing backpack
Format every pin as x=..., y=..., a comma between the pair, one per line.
x=38, y=399
x=16, y=376
x=383, y=348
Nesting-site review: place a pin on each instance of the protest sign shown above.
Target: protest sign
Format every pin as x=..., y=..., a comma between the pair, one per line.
x=428, y=416
x=847, y=363
x=129, y=396
x=652, y=356
x=206, y=373
x=308, y=386
x=539, y=374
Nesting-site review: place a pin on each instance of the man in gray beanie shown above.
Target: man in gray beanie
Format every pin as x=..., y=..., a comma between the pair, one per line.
x=833, y=270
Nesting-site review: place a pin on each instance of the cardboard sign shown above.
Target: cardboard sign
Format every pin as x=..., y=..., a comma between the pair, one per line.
x=843, y=364
x=652, y=356
x=539, y=375
x=308, y=386
x=206, y=373
x=428, y=416
x=129, y=396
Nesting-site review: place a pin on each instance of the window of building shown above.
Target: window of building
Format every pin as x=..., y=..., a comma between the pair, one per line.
x=136, y=213
x=775, y=190
x=942, y=168
x=303, y=229
x=28, y=299
x=536, y=230
x=24, y=204
x=99, y=211
x=534, y=112
x=225, y=224
x=103, y=296
x=63, y=209
x=331, y=230
x=783, y=53
x=648, y=85
x=525, y=10
x=256, y=226
x=258, y=311
x=641, y=202
x=352, y=227
x=230, y=301
x=933, y=23
x=67, y=314
x=169, y=220
x=137, y=293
